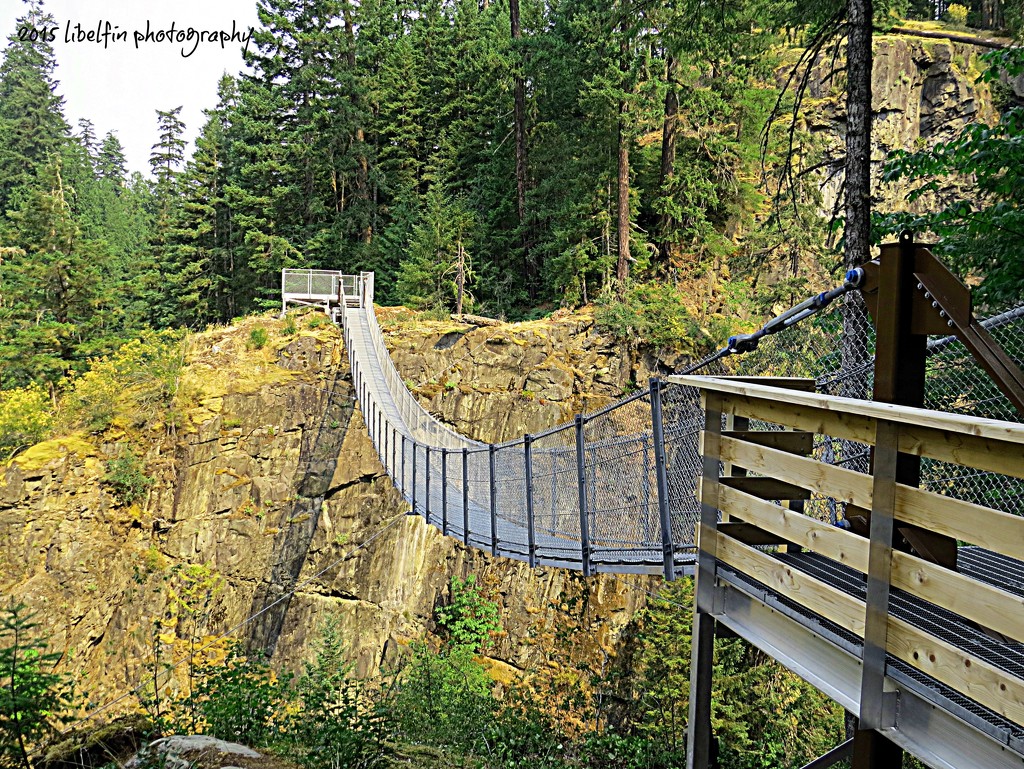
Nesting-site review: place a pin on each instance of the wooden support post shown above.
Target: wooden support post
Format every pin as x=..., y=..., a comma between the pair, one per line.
x=699, y=736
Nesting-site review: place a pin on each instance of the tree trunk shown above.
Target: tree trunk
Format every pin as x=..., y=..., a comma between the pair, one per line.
x=622, y=268
x=460, y=280
x=519, y=120
x=666, y=222
x=858, y=134
x=857, y=231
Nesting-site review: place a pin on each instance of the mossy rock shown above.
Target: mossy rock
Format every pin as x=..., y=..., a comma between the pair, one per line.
x=42, y=453
x=115, y=742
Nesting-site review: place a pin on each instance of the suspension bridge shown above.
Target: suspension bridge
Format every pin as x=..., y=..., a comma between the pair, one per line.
x=874, y=548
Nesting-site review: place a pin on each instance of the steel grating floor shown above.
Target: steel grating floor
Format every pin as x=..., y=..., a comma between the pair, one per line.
x=983, y=565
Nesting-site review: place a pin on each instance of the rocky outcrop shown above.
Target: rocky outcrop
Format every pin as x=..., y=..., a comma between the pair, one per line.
x=924, y=92
x=270, y=485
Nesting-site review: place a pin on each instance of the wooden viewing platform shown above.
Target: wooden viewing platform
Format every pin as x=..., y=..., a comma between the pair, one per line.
x=930, y=658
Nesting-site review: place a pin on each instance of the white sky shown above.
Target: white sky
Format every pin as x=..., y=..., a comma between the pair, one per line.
x=121, y=87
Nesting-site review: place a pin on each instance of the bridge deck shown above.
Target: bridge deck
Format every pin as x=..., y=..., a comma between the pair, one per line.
x=425, y=460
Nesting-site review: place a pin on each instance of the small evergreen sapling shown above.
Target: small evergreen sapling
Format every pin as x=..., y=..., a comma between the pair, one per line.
x=32, y=697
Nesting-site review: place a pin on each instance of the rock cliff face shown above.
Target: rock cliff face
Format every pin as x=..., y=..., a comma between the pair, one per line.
x=924, y=92
x=272, y=484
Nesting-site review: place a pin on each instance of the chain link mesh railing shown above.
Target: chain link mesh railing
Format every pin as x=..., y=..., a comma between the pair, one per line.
x=616, y=490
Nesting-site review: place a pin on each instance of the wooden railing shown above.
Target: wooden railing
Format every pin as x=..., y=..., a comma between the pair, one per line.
x=737, y=517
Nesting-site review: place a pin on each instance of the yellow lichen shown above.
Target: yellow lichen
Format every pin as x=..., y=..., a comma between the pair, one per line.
x=57, y=448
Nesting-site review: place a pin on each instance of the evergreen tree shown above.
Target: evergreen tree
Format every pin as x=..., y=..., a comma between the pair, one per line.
x=110, y=163
x=32, y=125
x=59, y=306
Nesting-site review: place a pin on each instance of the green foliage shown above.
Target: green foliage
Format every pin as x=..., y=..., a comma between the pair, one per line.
x=956, y=14
x=469, y=619
x=257, y=338
x=444, y=698
x=128, y=387
x=32, y=697
x=239, y=699
x=26, y=415
x=125, y=475
x=427, y=278
x=980, y=235
x=652, y=313
x=762, y=715
x=335, y=723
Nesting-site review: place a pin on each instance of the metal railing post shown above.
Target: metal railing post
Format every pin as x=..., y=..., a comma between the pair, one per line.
x=401, y=482
x=465, y=496
x=494, y=501
x=444, y=491
x=581, y=472
x=414, y=477
x=661, y=474
x=426, y=480
x=531, y=534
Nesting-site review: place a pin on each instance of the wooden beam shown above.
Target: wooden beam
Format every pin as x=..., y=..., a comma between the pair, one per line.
x=765, y=488
x=987, y=605
x=827, y=480
x=749, y=534
x=818, y=537
x=981, y=681
x=1011, y=432
x=992, y=529
x=822, y=599
x=795, y=442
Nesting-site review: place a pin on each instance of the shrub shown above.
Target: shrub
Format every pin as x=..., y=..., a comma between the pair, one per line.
x=652, y=313
x=334, y=724
x=257, y=338
x=32, y=697
x=126, y=477
x=470, y=619
x=288, y=327
x=128, y=386
x=25, y=418
x=956, y=14
x=240, y=699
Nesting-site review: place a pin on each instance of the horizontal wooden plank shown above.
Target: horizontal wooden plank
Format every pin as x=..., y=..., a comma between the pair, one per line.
x=802, y=417
x=987, y=605
x=765, y=488
x=959, y=448
x=818, y=537
x=1010, y=432
x=958, y=669
x=749, y=534
x=983, y=453
x=991, y=529
x=793, y=441
x=804, y=384
x=827, y=480
x=812, y=594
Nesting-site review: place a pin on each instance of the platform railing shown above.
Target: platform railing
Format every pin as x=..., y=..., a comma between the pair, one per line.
x=742, y=515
